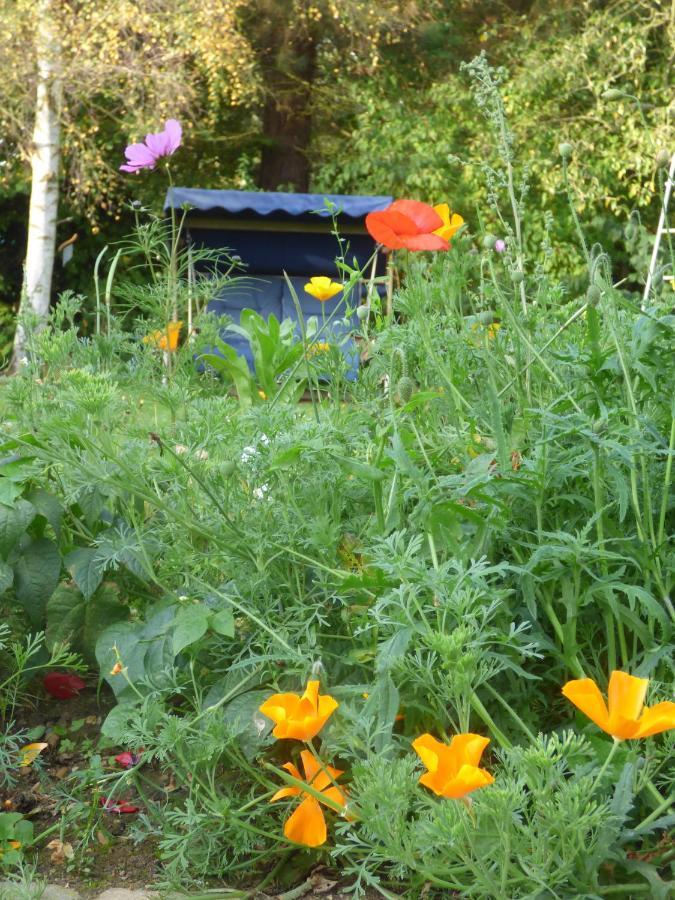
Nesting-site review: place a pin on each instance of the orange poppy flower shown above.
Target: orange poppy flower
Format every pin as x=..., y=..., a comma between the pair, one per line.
x=322, y=288
x=298, y=717
x=453, y=768
x=452, y=222
x=307, y=825
x=165, y=339
x=624, y=716
x=409, y=224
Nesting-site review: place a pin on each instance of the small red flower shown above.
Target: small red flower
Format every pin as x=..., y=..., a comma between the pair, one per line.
x=121, y=808
x=62, y=686
x=407, y=223
x=128, y=760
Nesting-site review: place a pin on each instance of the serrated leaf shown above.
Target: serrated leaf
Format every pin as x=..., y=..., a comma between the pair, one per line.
x=79, y=621
x=190, y=625
x=36, y=575
x=85, y=568
x=223, y=623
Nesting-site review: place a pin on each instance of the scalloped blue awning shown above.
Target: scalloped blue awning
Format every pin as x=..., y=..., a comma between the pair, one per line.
x=273, y=203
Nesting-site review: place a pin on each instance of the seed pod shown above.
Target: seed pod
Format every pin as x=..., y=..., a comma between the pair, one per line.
x=489, y=241
x=517, y=277
x=405, y=388
x=662, y=159
x=227, y=468
x=612, y=94
x=362, y=313
x=565, y=150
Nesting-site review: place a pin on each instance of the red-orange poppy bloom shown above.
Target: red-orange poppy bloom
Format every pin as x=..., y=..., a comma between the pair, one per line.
x=307, y=825
x=298, y=717
x=409, y=224
x=624, y=716
x=453, y=768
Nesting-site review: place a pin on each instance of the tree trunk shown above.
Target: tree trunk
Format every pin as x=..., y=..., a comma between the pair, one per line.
x=286, y=49
x=44, y=195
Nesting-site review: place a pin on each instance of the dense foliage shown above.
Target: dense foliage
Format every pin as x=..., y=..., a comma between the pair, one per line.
x=482, y=516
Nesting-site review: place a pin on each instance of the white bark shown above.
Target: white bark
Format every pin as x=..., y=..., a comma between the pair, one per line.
x=44, y=196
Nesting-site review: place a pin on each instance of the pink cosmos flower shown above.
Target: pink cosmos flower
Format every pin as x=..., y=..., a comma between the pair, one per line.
x=500, y=245
x=156, y=146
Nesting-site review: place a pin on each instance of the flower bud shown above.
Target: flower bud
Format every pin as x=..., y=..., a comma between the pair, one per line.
x=489, y=241
x=362, y=313
x=227, y=468
x=405, y=388
x=517, y=277
x=662, y=159
x=593, y=294
x=565, y=150
x=612, y=94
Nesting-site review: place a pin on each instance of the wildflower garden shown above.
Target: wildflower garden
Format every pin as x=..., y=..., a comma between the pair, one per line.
x=289, y=630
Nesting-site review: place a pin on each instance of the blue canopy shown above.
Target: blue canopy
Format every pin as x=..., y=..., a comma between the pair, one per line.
x=274, y=204
x=276, y=232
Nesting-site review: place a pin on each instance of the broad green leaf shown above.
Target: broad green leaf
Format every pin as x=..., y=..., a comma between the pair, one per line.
x=191, y=624
x=14, y=520
x=6, y=576
x=360, y=469
x=9, y=491
x=85, y=569
x=246, y=721
x=222, y=623
x=36, y=575
x=49, y=506
x=391, y=650
x=78, y=621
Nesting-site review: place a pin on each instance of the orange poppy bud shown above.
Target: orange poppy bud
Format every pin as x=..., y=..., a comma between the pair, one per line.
x=298, y=717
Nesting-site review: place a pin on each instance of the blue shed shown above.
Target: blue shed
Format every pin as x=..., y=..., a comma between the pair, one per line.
x=275, y=232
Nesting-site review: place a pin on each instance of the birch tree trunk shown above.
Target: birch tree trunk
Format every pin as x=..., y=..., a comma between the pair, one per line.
x=44, y=195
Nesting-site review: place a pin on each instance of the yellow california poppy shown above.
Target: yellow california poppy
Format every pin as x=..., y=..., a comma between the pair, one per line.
x=453, y=768
x=307, y=825
x=298, y=717
x=624, y=716
x=322, y=288
x=452, y=222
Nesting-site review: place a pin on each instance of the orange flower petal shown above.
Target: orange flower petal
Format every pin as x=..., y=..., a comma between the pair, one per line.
x=468, y=779
x=467, y=749
x=625, y=696
x=428, y=749
x=335, y=795
x=425, y=217
x=585, y=695
x=657, y=719
x=288, y=791
x=307, y=825
x=424, y=242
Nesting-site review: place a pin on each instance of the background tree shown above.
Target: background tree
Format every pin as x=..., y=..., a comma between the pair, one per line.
x=74, y=72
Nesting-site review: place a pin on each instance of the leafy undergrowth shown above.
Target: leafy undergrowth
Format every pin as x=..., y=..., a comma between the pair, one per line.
x=368, y=632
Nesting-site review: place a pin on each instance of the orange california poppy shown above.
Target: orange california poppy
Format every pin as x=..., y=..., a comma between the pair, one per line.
x=165, y=339
x=452, y=222
x=624, y=716
x=321, y=287
x=409, y=224
x=298, y=717
x=307, y=825
x=453, y=768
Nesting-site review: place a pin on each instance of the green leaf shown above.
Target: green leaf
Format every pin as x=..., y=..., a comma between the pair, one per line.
x=49, y=506
x=360, y=469
x=248, y=723
x=14, y=521
x=78, y=621
x=222, y=623
x=191, y=624
x=9, y=491
x=85, y=569
x=391, y=650
x=36, y=575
